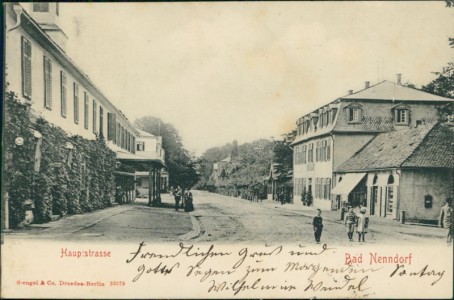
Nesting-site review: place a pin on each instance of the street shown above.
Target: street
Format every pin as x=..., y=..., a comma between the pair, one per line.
x=222, y=219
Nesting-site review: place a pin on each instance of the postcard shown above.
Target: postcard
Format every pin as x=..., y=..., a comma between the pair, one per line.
x=228, y=150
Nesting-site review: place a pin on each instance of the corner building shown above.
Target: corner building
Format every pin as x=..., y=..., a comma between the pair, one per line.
x=330, y=135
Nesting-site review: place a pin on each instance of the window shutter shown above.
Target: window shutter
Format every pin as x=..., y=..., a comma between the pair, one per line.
x=86, y=109
x=47, y=83
x=111, y=127
x=101, y=121
x=26, y=68
x=76, y=103
x=63, y=93
x=133, y=144
x=94, y=116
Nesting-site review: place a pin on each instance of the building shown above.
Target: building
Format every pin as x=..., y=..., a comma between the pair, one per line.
x=330, y=135
x=409, y=170
x=45, y=78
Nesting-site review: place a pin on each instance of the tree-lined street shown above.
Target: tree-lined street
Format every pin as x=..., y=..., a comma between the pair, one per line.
x=222, y=219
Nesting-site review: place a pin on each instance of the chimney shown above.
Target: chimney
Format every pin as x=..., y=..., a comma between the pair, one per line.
x=350, y=92
x=366, y=84
x=399, y=79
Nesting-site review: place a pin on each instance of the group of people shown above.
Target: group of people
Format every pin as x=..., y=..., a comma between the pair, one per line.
x=361, y=222
x=352, y=222
x=184, y=196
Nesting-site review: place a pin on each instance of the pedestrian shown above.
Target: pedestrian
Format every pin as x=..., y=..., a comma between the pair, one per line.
x=188, y=206
x=350, y=222
x=317, y=222
x=177, y=196
x=446, y=220
x=362, y=224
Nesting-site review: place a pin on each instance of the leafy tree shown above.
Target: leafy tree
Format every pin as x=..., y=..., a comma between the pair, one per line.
x=443, y=85
x=179, y=163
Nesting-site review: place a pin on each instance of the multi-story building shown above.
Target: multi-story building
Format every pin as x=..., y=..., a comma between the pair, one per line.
x=330, y=135
x=40, y=72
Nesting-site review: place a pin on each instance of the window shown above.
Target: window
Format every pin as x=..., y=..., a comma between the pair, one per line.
x=47, y=83
x=353, y=115
x=401, y=116
x=303, y=154
x=41, y=7
x=118, y=134
x=317, y=152
x=63, y=93
x=140, y=146
x=86, y=110
x=95, y=116
x=57, y=8
x=101, y=121
x=26, y=68
x=111, y=127
x=390, y=195
x=310, y=153
x=328, y=150
x=133, y=144
x=296, y=156
x=76, y=103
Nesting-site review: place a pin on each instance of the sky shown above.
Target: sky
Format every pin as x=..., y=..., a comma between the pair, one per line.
x=248, y=70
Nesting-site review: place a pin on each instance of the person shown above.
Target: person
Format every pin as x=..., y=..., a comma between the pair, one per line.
x=317, y=222
x=350, y=221
x=362, y=224
x=188, y=206
x=177, y=196
x=445, y=220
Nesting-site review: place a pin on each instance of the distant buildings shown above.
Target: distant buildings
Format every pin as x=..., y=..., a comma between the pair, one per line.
x=332, y=134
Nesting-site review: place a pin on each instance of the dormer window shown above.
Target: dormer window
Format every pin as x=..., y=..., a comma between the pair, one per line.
x=41, y=7
x=353, y=111
x=401, y=114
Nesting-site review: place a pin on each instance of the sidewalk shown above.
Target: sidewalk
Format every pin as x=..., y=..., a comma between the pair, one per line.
x=127, y=220
x=376, y=223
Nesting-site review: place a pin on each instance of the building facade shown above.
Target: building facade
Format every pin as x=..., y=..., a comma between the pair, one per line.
x=330, y=135
x=409, y=171
x=53, y=87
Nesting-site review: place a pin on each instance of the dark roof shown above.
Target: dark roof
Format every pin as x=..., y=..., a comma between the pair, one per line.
x=424, y=146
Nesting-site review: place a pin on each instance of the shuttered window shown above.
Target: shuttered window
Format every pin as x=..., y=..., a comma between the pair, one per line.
x=112, y=127
x=63, y=93
x=86, y=110
x=95, y=116
x=76, y=103
x=101, y=121
x=47, y=83
x=26, y=68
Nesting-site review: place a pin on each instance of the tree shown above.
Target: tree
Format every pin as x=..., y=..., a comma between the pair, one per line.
x=179, y=163
x=443, y=85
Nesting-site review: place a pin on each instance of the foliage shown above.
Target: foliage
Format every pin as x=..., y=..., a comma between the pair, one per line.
x=68, y=181
x=180, y=164
x=443, y=85
x=17, y=163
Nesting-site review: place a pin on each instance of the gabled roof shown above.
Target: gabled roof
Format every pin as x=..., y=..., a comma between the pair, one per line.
x=424, y=146
x=387, y=90
x=144, y=133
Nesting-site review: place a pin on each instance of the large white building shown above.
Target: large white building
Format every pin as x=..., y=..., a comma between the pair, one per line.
x=40, y=72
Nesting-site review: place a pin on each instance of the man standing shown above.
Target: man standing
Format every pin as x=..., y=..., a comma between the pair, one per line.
x=446, y=219
x=177, y=195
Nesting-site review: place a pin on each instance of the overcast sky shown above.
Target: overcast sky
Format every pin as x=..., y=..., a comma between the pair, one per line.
x=225, y=71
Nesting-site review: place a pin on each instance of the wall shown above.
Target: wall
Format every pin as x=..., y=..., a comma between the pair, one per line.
x=415, y=184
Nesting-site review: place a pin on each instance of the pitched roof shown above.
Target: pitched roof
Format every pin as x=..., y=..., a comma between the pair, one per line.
x=423, y=146
x=144, y=133
x=387, y=90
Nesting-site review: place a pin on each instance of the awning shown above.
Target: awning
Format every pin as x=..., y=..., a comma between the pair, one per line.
x=348, y=183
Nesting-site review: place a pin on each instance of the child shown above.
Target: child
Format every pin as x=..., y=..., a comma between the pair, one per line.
x=363, y=221
x=350, y=221
x=318, y=226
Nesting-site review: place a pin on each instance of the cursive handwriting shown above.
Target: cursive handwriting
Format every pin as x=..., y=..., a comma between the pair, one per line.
x=244, y=253
x=159, y=269
x=188, y=251
x=321, y=286
x=299, y=253
x=401, y=271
